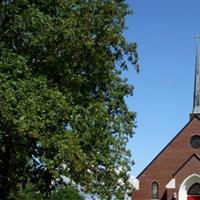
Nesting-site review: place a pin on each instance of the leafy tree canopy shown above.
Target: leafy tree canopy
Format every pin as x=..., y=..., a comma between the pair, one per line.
x=66, y=193
x=62, y=102
x=61, y=193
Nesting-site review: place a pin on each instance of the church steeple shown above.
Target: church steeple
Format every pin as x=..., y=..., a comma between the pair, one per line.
x=196, y=100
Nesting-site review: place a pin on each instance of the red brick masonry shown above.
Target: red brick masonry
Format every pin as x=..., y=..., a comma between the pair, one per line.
x=177, y=160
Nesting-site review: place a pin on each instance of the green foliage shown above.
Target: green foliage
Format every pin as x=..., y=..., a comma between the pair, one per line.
x=62, y=95
x=27, y=193
x=66, y=193
x=61, y=193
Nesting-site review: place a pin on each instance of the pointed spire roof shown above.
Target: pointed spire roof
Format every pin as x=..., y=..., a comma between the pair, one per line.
x=196, y=100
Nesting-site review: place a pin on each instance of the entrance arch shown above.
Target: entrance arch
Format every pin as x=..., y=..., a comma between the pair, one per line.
x=186, y=185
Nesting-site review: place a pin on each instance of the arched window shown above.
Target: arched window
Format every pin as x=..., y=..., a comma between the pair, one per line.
x=154, y=190
x=194, y=189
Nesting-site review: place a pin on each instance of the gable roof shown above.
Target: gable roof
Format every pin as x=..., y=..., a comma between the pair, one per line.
x=192, y=156
x=191, y=119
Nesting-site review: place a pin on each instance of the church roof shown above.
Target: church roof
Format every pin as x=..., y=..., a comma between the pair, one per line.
x=191, y=119
x=186, y=162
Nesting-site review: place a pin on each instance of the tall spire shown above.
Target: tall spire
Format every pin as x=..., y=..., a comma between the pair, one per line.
x=196, y=101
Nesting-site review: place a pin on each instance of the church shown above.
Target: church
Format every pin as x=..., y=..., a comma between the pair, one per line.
x=174, y=174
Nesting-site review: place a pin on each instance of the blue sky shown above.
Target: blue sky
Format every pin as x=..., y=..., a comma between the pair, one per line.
x=164, y=31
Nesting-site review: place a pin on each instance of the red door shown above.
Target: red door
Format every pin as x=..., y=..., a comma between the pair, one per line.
x=193, y=197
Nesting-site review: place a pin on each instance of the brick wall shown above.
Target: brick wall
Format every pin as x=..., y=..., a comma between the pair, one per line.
x=172, y=159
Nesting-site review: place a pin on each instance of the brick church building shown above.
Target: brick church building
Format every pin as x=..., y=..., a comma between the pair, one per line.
x=174, y=174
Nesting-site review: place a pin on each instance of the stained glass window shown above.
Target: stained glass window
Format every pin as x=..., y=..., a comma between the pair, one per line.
x=154, y=190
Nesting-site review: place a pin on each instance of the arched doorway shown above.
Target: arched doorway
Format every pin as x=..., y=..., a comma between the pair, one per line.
x=194, y=192
x=188, y=187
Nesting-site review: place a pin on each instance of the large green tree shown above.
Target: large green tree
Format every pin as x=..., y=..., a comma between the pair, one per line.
x=62, y=106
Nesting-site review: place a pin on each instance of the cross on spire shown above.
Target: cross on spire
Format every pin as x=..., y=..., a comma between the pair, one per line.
x=197, y=37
